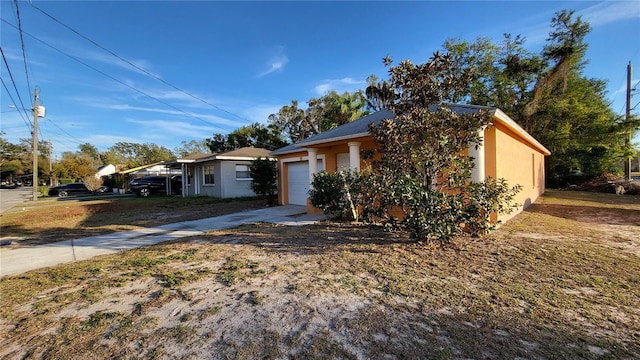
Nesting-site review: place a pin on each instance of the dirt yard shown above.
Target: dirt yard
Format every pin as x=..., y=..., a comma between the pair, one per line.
x=561, y=280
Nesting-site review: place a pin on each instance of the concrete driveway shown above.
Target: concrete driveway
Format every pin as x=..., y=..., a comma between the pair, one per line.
x=16, y=261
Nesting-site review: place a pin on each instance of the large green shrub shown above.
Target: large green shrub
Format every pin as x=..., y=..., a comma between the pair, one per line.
x=337, y=194
x=264, y=175
x=420, y=181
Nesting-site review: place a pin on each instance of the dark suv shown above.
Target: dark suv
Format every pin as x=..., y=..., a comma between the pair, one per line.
x=73, y=189
x=149, y=185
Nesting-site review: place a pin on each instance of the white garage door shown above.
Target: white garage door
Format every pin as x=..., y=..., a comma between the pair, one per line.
x=298, y=180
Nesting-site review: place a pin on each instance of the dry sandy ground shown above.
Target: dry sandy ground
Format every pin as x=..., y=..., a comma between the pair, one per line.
x=559, y=281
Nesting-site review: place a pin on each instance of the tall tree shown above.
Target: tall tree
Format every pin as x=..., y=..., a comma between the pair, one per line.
x=14, y=159
x=292, y=122
x=322, y=114
x=193, y=147
x=91, y=151
x=74, y=166
x=254, y=135
x=565, y=51
x=378, y=94
x=134, y=154
x=548, y=95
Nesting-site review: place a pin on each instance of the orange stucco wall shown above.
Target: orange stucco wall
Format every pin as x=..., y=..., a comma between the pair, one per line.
x=510, y=157
x=329, y=152
x=507, y=155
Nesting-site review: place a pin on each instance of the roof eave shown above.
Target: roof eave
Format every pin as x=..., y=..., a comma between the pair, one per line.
x=303, y=144
x=244, y=158
x=513, y=126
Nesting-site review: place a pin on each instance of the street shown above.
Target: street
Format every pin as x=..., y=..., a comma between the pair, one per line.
x=13, y=197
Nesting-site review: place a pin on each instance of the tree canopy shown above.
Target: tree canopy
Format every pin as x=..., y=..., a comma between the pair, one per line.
x=321, y=114
x=254, y=135
x=549, y=96
x=134, y=154
x=17, y=159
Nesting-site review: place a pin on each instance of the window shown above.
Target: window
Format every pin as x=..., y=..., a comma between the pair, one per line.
x=209, y=179
x=243, y=172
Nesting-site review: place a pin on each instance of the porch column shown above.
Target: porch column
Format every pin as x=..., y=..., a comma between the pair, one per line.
x=313, y=163
x=354, y=156
x=478, y=171
x=183, y=182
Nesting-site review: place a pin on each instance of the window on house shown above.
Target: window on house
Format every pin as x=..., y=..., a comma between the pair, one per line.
x=208, y=175
x=243, y=172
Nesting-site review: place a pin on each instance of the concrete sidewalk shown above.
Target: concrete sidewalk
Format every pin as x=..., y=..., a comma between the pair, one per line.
x=16, y=261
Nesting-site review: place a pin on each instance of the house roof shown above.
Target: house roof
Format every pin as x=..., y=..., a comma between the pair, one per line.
x=245, y=153
x=360, y=128
x=139, y=168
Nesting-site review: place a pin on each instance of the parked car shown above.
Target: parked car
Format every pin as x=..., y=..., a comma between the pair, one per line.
x=8, y=185
x=74, y=189
x=149, y=185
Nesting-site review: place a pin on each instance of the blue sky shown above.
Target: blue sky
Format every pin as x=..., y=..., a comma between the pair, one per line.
x=204, y=67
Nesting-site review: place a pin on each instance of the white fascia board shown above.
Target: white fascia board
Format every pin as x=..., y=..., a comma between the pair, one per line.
x=238, y=158
x=338, y=138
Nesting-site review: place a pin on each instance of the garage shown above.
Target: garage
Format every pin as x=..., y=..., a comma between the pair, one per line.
x=298, y=181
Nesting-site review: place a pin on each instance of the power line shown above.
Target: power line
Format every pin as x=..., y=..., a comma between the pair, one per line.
x=118, y=81
x=75, y=139
x=15, y=87
x=138, y=67
x=11, y=97
x=24, y=53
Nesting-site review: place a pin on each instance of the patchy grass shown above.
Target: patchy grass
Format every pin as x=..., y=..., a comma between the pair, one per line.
x=51, y=221
x=561, y=280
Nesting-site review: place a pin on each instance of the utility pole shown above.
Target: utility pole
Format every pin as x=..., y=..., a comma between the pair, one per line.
x=38, y=111
x=50, y=167
x=627, y=118
x=35, y=146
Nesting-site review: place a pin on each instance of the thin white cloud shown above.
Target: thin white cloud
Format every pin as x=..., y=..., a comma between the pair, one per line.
x=117, y=105
x=622, y=89
x=108, y=59
x=260, y=113
x=105, y=141
x=277, y=62
x=610, y=11
x=181, y=128
x=603, y=13
x=339, y=85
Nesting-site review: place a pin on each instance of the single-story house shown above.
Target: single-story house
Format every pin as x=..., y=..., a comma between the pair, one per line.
x=507, y=151
x=222, y=175
x=106, y=170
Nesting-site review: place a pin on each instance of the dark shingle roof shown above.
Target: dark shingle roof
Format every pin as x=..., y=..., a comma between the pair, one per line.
x=353, y=129
x=360, y=128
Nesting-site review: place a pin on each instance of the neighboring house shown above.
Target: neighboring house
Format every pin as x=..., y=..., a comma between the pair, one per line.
x=507, y=152
x=106, y=170
x=223, y=175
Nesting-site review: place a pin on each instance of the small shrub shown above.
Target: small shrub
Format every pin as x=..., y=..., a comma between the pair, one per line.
x=92, y=183
x=337, y=194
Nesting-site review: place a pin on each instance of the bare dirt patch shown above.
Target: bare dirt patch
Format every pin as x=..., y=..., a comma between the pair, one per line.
x=545, y=285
